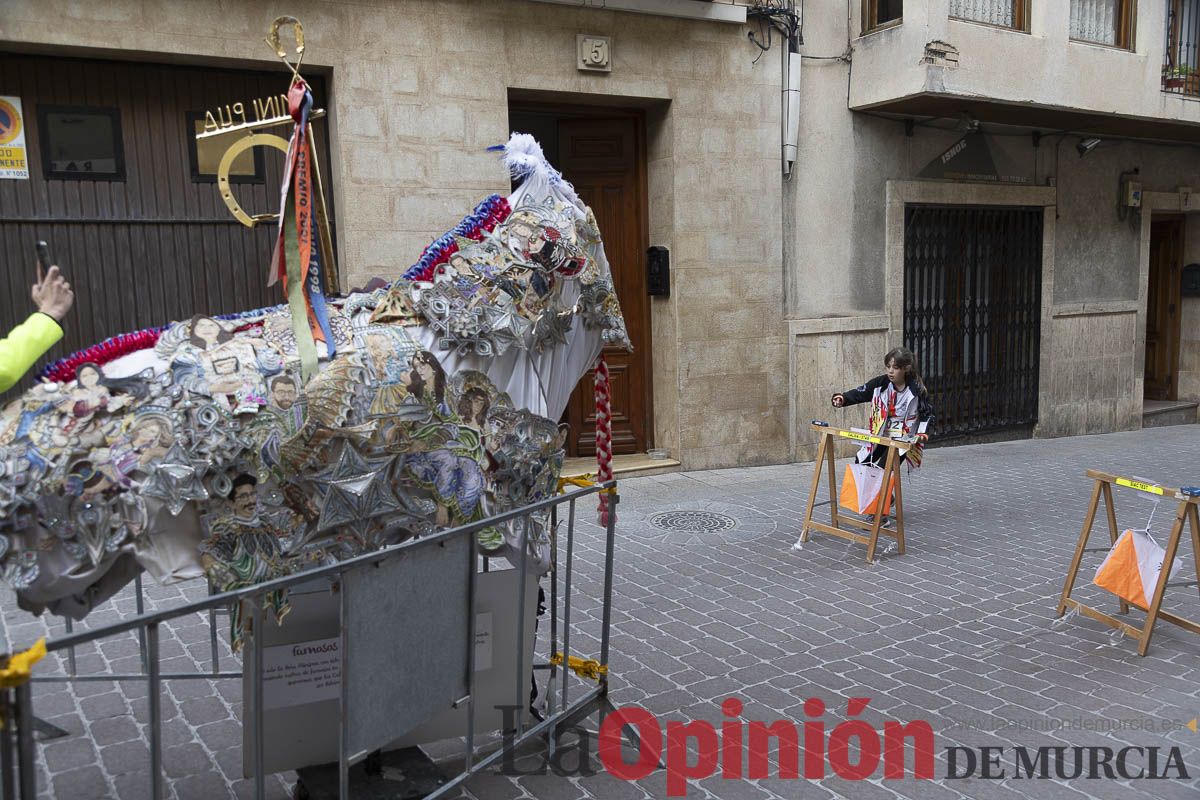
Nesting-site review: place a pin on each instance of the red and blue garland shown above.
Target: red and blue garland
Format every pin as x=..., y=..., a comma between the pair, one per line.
x=123, y=344
x=486, y=216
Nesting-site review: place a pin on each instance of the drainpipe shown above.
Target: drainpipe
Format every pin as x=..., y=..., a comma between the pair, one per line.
x=791, y=103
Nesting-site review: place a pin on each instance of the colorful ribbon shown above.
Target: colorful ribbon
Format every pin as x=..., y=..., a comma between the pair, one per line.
x=296, y=258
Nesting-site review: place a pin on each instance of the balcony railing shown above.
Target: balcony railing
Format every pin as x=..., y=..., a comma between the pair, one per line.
x=1181, y=56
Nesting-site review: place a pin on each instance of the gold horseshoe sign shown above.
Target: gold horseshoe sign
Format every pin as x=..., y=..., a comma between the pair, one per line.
x=270, y=112
x=235, y=150
x=273, y=42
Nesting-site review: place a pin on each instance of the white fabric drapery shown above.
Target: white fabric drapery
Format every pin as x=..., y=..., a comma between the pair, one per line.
x=993, y=12
x=1095, y=20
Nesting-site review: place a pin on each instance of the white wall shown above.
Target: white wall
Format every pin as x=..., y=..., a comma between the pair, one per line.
x=1042, y=67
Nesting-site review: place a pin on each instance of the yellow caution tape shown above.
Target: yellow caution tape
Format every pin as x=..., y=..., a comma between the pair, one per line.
x=583, y=481
x=19, y=667
x=1140, y=486
x=583, y=667
x=862, y=437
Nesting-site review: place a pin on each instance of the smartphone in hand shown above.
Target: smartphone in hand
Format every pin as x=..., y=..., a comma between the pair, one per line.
x=43, y=256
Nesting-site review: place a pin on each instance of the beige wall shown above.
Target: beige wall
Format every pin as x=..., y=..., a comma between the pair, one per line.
x=1189, y=322
x=830, y=356
x=1094, y=383
x=420, y=89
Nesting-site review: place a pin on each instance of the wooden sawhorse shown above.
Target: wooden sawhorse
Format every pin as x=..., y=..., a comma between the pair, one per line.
x=891, y=471
x=1186, y=511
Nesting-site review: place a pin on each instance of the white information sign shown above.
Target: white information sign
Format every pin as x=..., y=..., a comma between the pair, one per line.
x=13, y=155
x=483, y=641
x=301, y=673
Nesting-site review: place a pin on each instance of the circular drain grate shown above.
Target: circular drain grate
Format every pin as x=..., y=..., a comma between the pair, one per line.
x=693, y=521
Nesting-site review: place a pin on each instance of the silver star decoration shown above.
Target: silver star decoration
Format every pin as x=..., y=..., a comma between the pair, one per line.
x=449, y=310
x=218, y=437
x=55, y=511
x=175, y=481
x=19, y=477
x=354, y=490
x=505, y=324
x=97, y=529
x=20, y=568
x=551, y=329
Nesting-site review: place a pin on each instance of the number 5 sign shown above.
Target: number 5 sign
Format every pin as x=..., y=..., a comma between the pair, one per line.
x=595, y=53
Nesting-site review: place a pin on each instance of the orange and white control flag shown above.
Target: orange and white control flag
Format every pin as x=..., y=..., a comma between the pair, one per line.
x=1132, y=566
x=860, y=489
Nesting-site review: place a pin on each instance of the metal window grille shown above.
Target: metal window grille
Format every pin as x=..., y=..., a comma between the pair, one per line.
x=972, y=313
x=1181, y=53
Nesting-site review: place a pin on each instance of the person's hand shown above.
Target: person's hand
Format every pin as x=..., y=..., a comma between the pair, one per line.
x=838, y=401
x=52, y=294
x=922, y=438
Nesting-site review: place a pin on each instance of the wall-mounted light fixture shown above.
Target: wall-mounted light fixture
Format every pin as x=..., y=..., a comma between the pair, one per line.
x=1087, y=145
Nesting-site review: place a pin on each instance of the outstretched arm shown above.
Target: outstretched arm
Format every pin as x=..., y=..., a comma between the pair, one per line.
x=24, y=345
x=31, y=339
x=860, y=395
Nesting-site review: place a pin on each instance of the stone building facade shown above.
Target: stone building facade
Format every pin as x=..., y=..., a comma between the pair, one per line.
x=782, y=290
x=915, y=87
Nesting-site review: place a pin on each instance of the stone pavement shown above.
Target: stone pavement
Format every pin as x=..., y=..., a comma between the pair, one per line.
x=713, y=603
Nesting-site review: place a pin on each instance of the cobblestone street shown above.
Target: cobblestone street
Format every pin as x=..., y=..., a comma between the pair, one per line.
x=959, y=631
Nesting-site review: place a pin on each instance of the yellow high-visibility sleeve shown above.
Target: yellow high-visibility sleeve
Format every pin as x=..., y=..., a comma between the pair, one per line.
x=24, y=345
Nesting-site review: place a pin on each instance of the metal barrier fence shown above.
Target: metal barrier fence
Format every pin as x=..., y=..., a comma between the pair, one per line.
x=17, y=744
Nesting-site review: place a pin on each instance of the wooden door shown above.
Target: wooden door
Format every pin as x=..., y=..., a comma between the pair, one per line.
x=152, y=242
x=1162, y=309
x=604, y=159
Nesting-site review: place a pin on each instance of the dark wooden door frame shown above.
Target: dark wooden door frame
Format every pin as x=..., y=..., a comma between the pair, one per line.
x=1174, y=299
x=568, y=110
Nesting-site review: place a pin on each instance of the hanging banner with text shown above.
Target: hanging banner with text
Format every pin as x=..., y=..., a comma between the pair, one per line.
x=13, y=161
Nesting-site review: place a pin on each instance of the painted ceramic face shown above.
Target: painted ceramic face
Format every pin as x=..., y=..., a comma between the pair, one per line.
x=424, y=370
x=245, y=501
x=477, y=405
x=89, y=377
x=522, y=232
x=206, y=329
x=378, y=347
x=146, y=434
x=284, y=394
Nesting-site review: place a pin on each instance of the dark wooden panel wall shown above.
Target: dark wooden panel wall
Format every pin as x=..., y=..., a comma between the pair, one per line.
x=156, y=246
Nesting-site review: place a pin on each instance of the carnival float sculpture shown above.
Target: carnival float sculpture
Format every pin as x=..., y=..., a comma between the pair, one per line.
x=248, y=446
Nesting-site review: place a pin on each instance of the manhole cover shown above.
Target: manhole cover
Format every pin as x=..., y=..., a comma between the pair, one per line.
x=692, y=521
